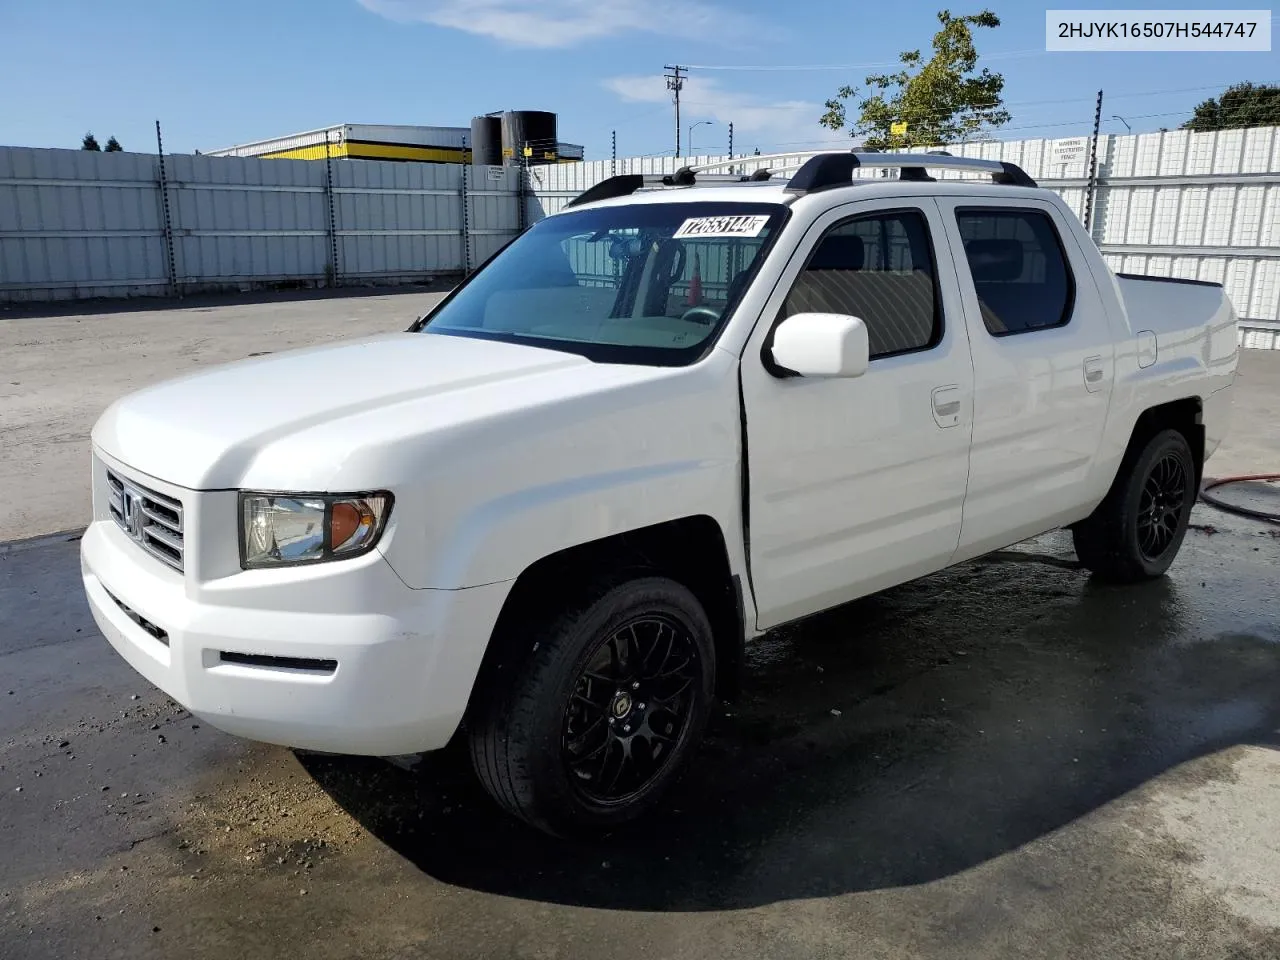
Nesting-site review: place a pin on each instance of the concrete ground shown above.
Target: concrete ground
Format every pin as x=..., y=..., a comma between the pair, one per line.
x=1005, y=760
x=62, y=367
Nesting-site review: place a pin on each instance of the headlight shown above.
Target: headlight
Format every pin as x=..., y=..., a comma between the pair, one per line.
x=278, y=530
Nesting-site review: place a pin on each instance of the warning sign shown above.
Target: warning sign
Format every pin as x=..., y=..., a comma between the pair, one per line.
x=1071, y=150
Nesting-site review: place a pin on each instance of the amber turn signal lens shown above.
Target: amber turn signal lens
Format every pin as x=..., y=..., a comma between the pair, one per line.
x=345, y=522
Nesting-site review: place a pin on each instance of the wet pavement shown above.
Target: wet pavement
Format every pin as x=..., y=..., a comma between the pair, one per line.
x=1002, y=760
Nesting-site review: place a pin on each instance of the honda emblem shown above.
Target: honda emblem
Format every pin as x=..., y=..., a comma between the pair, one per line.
x=134, y=520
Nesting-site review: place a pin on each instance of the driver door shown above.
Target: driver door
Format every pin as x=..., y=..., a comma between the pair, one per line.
x=858, y=484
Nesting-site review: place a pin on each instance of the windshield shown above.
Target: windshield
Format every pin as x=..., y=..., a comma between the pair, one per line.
x=640, y=283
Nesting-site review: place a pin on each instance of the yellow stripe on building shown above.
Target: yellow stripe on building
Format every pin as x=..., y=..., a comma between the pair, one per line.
x=335, y=150
x=373, y=151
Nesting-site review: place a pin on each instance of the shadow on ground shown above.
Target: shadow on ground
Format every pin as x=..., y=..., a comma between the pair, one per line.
x=896, y=741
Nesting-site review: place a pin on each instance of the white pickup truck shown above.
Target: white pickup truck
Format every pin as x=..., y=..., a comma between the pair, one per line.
x=660, y=423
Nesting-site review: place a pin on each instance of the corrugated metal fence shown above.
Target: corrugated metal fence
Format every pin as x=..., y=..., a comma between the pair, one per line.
x=75, y=224
x=1196, y=205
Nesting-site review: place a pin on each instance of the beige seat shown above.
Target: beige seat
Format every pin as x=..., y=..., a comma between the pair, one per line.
x=894, y=305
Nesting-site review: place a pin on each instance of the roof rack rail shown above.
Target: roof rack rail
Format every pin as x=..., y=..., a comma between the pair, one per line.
x=823, y=171
x=625, y=184
x=835, y=168
x=617, y=186
x=828, y=170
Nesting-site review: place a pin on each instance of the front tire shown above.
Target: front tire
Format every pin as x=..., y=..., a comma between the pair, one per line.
x=604, y=714
x=1136, y=531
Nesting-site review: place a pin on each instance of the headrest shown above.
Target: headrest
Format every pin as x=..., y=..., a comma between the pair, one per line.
x=999, y=260
x=838, y=252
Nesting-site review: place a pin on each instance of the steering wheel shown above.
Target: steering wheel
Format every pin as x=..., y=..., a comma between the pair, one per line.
x=704, y=315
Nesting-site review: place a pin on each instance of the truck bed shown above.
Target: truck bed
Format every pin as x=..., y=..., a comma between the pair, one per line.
x=1181, y=312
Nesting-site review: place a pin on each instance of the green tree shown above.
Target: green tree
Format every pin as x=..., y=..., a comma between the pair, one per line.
x=941, y=100
x=113, y=146
x=1241, y=105
x=89, y=142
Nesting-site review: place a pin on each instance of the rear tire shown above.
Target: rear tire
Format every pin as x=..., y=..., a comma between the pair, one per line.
x=608, y=706
x=1136, y=531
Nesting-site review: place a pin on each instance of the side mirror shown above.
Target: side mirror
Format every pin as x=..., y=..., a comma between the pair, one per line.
x=822, y=345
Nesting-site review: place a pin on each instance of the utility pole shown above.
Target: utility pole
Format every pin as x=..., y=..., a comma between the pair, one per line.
x=613, y=153
x=731, y=140
x=675, y=83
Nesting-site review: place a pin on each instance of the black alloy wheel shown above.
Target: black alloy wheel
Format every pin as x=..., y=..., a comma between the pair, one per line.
x=630, y=708
x=591, y=713
x=1137, y=530
x=1161, y=505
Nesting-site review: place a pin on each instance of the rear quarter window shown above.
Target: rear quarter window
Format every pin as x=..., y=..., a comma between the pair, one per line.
x=1019, y=269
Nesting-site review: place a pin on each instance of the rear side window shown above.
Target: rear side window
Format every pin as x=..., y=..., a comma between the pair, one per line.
x=1019, y=269
x=878, y=268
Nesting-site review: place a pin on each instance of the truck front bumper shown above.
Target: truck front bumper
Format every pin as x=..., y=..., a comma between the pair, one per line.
x=390, y=674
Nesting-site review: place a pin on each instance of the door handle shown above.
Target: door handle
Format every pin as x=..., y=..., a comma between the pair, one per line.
x=946, y=405
x=1093, y=373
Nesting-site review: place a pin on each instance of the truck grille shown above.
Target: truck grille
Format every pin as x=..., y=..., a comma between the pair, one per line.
x=151, y=519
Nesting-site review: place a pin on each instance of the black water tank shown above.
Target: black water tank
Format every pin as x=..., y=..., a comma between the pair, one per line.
x=535, y=128
x=486, y=141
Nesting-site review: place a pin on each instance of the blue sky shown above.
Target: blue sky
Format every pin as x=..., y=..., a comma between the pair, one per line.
x=218, y=72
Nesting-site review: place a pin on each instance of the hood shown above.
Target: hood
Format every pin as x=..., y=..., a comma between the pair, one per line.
x=205, y=431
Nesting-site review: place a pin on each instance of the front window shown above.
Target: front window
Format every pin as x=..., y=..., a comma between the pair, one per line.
x=878, y=268
x=640, y=283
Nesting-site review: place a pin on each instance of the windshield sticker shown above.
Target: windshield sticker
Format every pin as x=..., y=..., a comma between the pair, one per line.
x=741, y=226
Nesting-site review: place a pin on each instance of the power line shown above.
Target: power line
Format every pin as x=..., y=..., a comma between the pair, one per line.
x=769, y=68
x=1019, y=123
x=1156, y=93
x=632, y=118
x=943, y=113
x=1084, y=123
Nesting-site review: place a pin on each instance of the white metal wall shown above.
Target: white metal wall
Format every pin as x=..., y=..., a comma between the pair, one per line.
x=79, y=224
x=238, y=221
x=394, y=217
x=75, y=224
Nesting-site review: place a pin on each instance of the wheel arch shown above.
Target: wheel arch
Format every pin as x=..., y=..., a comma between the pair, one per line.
x=1107, y=542
x=691, y=550
x=1185, y=415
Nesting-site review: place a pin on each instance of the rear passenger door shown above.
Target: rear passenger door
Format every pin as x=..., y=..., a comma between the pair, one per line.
x=1043, y=361
x=857, y=484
